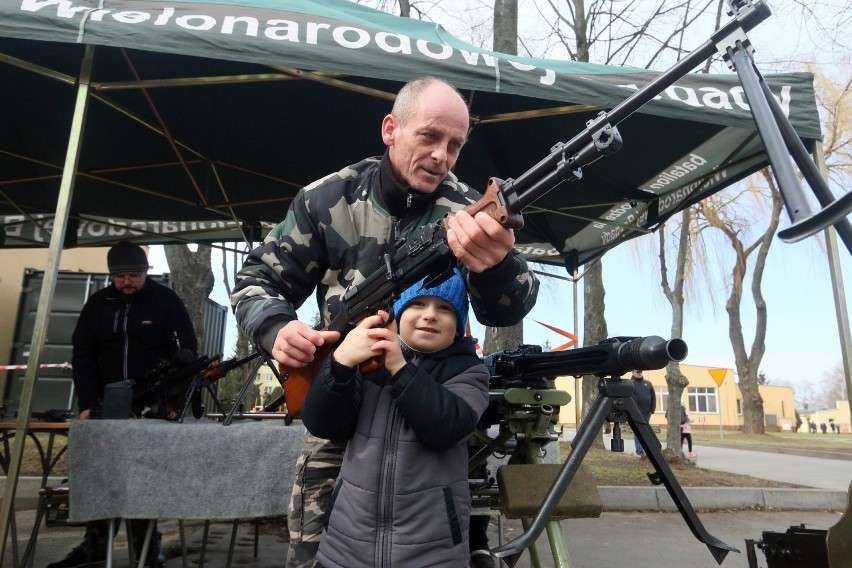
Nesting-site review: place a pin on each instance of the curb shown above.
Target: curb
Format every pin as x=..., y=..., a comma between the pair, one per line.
x=615, y=498
x=722, y=498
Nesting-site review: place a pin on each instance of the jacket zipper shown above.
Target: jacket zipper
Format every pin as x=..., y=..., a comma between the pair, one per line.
x=386, y=489
x=126, y=340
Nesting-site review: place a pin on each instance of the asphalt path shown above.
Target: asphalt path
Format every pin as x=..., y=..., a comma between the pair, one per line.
x=802, y=470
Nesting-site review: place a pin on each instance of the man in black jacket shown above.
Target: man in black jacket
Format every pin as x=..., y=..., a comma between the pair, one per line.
x=646, y=400
x=124, y=331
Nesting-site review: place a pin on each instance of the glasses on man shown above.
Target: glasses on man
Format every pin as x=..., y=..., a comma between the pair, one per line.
x=128, y=276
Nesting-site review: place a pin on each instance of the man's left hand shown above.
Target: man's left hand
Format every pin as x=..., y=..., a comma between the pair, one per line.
x=478, y=242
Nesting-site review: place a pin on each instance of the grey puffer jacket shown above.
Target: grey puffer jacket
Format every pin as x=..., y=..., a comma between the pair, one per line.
x=402, y=498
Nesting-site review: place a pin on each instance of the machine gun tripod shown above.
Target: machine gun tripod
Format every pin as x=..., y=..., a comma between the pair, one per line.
x=608, y=360
x=524, y=416
x=204, y=381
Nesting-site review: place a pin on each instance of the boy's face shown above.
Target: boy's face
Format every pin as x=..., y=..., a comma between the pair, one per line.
x=428, y=324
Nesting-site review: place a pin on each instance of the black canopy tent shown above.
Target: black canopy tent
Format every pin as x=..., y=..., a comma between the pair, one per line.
x=167, y=121
x=182, y=146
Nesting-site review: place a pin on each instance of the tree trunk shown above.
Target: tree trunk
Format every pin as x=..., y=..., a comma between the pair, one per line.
x=192, y=277
x=676, y=382
x=505, y=41
x=748, y=363
x=506, y=26
x=594, y=325
x=502, y=338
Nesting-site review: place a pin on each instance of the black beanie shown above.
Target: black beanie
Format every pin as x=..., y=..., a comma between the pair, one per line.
x=127, y=257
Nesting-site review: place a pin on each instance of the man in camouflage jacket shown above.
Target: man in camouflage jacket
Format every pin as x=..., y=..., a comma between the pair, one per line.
x=335, y=234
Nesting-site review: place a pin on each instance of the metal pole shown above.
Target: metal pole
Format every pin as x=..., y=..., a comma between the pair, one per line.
x=63, y=206
x=837, y=286
x=578, y=411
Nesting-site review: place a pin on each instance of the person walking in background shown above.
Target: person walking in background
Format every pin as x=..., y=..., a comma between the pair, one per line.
x=646, y=399
x=337, y=232
x=686, y=431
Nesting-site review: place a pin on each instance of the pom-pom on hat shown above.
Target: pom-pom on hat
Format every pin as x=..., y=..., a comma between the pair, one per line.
x=452, y=290
x=127, y=257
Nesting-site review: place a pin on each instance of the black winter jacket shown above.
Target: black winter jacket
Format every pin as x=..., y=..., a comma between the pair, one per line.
x=121, y=337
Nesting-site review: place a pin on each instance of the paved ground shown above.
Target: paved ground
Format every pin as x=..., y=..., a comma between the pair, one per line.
x=616, y=539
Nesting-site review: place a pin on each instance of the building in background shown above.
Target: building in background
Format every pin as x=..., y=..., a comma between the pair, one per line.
x=712, y=398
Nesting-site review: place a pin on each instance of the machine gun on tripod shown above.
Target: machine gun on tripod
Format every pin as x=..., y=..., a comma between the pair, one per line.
x=179, y=381
x=527, y=412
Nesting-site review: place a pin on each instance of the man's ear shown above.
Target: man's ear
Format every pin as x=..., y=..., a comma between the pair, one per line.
x=389, y=126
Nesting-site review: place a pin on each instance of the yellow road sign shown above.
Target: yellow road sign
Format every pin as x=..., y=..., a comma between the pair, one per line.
x=718, y=375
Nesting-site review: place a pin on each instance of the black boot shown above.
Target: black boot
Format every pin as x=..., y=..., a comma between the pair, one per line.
x=79, y=557
x=155, y=558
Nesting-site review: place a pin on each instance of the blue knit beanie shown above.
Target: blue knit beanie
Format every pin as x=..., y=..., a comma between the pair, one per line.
x=452, y=290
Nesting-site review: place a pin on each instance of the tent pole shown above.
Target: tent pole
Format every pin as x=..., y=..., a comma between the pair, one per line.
x=837, y=284
x=57, y=239
x=578, y=408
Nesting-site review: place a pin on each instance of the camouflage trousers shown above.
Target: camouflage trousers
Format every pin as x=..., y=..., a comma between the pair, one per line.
x=316, y=473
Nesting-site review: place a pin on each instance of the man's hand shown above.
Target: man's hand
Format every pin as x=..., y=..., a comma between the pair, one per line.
x=84, y=415
x=297, y=342
x=480, y=242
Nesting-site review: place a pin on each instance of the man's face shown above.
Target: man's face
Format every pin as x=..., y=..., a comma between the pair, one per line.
x=425, y=145
x=637, y=375
x=128, y=283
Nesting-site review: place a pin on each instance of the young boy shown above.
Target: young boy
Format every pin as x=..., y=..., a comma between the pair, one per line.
x=402, y=498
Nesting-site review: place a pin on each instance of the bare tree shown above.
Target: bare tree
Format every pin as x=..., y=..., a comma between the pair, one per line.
x=676, y=381
x=734, y=228
x=505, y=41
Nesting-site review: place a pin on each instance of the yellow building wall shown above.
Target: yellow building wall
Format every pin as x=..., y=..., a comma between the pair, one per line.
x=839, y=415
x=15, y=261
x=777, y=400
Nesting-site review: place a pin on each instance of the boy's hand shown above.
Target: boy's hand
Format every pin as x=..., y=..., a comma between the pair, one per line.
x=387, y=341
x=358, y=345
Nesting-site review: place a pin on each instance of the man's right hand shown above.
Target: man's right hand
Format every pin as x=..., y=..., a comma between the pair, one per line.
x=84, y=415
x=297, y=342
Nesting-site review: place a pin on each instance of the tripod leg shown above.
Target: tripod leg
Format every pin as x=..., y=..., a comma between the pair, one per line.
x=558, y=546
x=652, y=446
x=252, y=375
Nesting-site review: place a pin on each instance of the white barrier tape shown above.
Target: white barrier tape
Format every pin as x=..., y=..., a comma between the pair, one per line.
x=44, y=366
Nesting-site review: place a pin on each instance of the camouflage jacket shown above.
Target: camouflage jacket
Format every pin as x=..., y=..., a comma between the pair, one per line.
x=334, y=235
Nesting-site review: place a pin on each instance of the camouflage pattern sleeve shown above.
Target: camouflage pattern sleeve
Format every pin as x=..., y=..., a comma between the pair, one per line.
x=502, y=295
x=279, y=275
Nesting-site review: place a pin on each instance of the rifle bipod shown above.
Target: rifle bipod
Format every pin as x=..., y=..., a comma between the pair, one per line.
x=525, y=428
x=614, y=401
